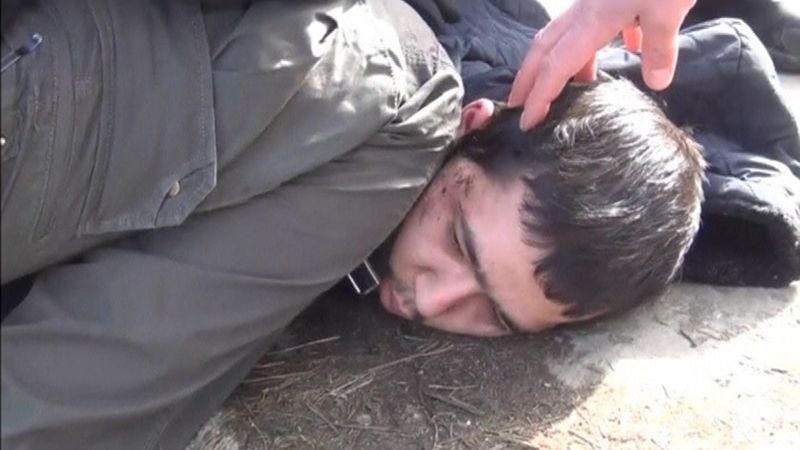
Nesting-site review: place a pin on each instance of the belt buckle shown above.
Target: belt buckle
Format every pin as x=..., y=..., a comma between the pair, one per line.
x=363, y=278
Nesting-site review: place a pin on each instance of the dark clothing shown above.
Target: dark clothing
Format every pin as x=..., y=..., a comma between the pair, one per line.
x=725, y=88
x=89, y=105
x=148, y=129
x=287, y=140
x=775, y=23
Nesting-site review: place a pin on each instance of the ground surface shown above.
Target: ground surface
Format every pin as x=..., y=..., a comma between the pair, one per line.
x=703, y=367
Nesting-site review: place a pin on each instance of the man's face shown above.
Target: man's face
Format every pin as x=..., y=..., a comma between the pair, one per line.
x=459, y=262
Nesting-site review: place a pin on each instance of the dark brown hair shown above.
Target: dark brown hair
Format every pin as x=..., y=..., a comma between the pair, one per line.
x=613, y=192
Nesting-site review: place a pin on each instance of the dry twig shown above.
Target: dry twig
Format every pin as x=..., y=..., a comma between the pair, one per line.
x=276, y=377
x=269, y=365
x=250, y=416
x=319, y=414
x=368, y=377
x=452, y=388
x=584, y=438
x=452, y=401
x=513, y=438
x=366, y=427
x=408, y=358
x=686, y=336
x=307, y=344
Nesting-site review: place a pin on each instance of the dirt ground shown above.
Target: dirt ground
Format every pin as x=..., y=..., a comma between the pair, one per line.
x=701, y=368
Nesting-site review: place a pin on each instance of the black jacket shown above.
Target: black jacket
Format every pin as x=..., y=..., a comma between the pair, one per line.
x=725, y=88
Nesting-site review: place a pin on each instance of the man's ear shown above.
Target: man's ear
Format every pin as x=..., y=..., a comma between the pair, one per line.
x=476, y=116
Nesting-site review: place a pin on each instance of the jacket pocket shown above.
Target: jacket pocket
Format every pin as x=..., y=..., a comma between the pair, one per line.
x=156, y=144
x=28, y=131
x=9, y=149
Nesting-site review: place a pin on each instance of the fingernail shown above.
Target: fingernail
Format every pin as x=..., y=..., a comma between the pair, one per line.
x=659, y=78
x=522, y=121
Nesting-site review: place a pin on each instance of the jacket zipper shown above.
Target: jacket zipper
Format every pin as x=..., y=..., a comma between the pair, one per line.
x=13, y=57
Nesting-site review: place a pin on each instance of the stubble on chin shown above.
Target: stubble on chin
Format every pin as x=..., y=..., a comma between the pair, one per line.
x=405, y=293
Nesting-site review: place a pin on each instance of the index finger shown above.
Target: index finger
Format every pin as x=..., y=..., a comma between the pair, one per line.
x=541, y=44
x=564, y=60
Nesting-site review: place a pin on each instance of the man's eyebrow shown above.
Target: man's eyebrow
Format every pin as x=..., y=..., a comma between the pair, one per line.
x=478, y=270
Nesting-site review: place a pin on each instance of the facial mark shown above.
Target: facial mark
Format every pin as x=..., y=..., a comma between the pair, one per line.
x=464, y=182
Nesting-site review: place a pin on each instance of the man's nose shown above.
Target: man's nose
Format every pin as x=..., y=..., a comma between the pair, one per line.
x=439, y=292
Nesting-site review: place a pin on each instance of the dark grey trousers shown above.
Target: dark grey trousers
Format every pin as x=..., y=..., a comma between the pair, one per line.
x=130, y=340
x=134, y=344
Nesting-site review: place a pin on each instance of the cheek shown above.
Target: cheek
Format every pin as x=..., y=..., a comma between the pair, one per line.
x=414, y=235
x=426, y=226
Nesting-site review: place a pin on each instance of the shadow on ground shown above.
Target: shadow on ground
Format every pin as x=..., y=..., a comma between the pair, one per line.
x=667, y=374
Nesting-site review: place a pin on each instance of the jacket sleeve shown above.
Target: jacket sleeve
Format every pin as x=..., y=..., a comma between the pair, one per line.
x=296, y=87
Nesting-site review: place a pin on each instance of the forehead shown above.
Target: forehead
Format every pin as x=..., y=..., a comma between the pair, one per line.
x=492, y=211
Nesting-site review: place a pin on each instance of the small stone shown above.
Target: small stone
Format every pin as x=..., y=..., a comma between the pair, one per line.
x=364, y=420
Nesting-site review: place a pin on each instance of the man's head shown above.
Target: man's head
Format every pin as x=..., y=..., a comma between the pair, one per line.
x=589, y=213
